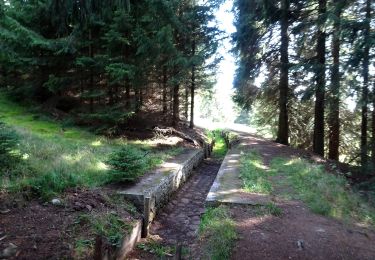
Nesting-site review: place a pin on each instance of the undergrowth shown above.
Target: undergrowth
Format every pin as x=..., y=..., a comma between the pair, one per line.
x=217, y=229
x=254, y=174
x=109, y=226
x=54, y=157
x=324, y=193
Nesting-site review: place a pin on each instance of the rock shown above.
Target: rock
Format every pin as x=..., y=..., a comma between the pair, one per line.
x=5, y=211
x=56, y=202
x=89, y=207
x=10, y=251
x=300, y=244
x=78, y=206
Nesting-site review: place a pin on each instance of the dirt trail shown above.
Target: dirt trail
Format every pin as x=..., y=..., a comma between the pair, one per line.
x=297, y=233
x=178, y=222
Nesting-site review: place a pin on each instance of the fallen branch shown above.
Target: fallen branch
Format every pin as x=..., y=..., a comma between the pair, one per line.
x=170, y=131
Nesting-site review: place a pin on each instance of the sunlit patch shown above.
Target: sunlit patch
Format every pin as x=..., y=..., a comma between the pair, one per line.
x=260, y=166
x=72, y=158
x=289, y=163
x=102, y=166
x=25, y=156
x=171, y=165
x=96, y=143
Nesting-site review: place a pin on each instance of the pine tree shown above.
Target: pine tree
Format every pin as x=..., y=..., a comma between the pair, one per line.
x=334, y=102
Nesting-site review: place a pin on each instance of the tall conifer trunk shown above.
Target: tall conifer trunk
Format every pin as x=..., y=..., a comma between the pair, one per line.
x=283, y=127
x=91, y=55
x=186, y=103
x=365, y=91
x=165, y=80
x=334, y=113
x=192, y=89
x=318, y=142
x=176, y=104
x=373, y=129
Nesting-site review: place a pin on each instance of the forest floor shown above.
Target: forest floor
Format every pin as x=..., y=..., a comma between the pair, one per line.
x=295, y=232
x=56, y=199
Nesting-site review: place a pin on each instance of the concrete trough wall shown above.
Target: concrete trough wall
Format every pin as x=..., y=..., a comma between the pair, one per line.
x=154, y=190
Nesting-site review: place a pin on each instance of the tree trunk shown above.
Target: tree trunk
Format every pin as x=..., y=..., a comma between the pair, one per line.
x=283, y=126
x=364, y=98
x=318, y=145
x=127, y=95
x=137, y=99
x=186, y=104
x=192, y=87
x=373, y=129
x=192, y=97
x=171, y=99
x=91, y=55
x=334, y=113
x=165, y=80
x=176, y=104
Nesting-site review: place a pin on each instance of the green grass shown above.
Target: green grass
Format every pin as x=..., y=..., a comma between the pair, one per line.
x=254, y=174
x=55, y=158
x=324, y=193
x=154, y=247
x=110, y=226
x=220, y=149
x=218, y=231
x=83, y=247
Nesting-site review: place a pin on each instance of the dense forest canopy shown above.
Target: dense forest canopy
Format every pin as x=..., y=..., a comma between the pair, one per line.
x=317, y=58
x=102, y=61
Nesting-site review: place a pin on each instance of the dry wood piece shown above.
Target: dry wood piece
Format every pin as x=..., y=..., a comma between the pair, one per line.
x=168, y=131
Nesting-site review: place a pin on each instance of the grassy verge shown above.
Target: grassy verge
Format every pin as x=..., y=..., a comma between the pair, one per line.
x=220, y=148
x=254, y=174
x=324, y=193
x=55, y=157
x=218, y=231
x=110, y=225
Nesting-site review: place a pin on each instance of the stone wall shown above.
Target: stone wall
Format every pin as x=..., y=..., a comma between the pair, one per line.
x=158, y=196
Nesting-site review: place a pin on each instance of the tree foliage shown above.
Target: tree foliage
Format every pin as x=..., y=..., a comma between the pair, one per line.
x=100, y=60
x=330, y=54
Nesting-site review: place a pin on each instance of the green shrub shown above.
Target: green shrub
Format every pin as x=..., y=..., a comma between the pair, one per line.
x=127, y=164
x=8, y=146
x=47, y=185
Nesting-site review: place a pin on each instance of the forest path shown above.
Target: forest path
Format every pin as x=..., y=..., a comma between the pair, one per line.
x=178, y=222
x=297, y=233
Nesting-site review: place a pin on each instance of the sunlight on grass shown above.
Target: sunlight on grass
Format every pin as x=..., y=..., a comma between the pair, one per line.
x=55, y=158
x=324, y=193
x=220, y=149
x=254, y=173
x=218, y=231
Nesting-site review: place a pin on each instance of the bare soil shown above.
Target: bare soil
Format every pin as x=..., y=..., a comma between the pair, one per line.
x=47, y=231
